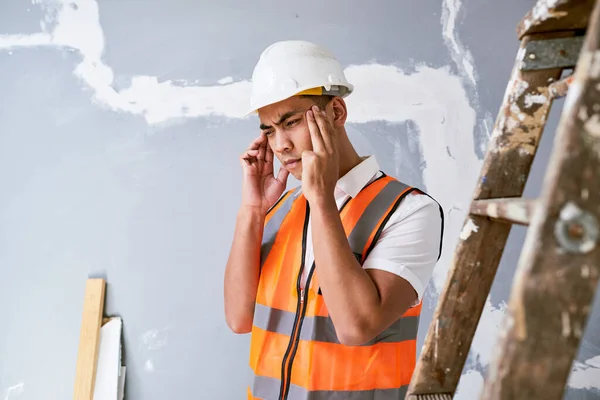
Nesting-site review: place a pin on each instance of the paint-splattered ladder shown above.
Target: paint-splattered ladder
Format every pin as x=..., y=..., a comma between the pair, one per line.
x=558, y=271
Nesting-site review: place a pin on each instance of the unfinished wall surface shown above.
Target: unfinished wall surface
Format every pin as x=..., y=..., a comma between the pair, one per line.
x=120, y=133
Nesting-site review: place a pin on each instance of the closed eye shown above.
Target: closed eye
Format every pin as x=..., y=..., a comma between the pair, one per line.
x=292, y=122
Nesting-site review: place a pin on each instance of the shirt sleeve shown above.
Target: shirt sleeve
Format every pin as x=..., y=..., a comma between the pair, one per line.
x=409, y=244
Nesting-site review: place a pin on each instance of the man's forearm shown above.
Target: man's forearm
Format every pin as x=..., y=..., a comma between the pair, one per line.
x=243, y=269
x=351, y=295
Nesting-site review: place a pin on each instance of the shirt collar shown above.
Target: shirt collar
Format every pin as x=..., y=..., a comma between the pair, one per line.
x=358, y=177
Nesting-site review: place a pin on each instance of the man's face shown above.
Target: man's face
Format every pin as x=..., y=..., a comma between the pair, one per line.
x=287, y=132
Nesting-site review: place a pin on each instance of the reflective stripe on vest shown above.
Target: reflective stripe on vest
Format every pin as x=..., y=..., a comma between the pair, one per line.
x=295, y=353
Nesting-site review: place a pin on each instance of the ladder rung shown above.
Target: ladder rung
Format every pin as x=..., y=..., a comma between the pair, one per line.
x=515, y=210
x=560, y=88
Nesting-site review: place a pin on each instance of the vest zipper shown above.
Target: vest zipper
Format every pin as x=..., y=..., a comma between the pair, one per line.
x=301, y=307
x=300, y=311
x=286, y=365
x=296, y=339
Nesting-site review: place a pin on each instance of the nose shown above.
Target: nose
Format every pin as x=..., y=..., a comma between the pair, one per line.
x=281, y=143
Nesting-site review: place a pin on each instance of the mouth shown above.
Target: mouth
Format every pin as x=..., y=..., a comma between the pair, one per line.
x=291, y=164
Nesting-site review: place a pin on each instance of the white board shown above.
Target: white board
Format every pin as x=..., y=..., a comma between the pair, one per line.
x=110, y=375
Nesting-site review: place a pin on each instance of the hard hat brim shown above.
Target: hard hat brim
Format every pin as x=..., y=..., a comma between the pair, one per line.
x=348, y=89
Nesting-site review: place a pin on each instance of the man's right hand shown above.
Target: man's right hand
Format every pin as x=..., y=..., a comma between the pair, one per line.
x=260, y=188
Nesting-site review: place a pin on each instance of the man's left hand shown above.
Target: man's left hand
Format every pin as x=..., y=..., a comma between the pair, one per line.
x=320, y=167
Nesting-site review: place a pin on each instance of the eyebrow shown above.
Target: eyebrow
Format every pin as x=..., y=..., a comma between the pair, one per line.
x=285, y=116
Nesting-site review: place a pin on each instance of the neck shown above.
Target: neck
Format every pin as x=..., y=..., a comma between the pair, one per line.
x=349, y=158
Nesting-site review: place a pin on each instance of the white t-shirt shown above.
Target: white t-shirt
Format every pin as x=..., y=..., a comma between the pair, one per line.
x=409, y=244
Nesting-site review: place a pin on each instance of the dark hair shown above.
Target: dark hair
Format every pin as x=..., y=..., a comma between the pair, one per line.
x=320, y=100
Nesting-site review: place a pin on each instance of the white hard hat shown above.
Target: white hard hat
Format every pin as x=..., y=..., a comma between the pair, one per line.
x=295, y=67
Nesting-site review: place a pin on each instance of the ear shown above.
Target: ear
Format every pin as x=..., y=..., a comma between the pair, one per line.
x=339, y=111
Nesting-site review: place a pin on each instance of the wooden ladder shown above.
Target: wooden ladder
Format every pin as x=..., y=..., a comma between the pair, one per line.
x=558, y=270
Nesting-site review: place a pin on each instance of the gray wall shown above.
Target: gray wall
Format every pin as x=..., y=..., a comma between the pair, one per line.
x=119, y=138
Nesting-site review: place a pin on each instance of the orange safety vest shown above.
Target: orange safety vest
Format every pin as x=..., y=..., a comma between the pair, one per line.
x=294, y=352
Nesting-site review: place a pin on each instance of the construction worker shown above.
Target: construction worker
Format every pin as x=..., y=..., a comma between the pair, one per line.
x=329, y=276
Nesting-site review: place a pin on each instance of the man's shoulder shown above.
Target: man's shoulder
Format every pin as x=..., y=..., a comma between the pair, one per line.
x=417, y=204
x=418, y=199
x=415, y=199
x=418, y=218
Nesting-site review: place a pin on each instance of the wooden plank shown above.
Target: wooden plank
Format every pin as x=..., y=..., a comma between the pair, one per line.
x=87, y=356
x=556, y=15
x=559, y=269
x=514, y=210
x=511, y=151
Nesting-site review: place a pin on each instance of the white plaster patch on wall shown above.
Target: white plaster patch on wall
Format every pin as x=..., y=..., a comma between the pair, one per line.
x=15, y=391
x=461, y=55
x=149, y=366
x=19, y=40
x=226, y=80
x=151, y=341
x=75, y=25
x=155, y=339
x=488, y=328
x=469, y=386
x=162, y=101
x=465, y=64
x=585, y=375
